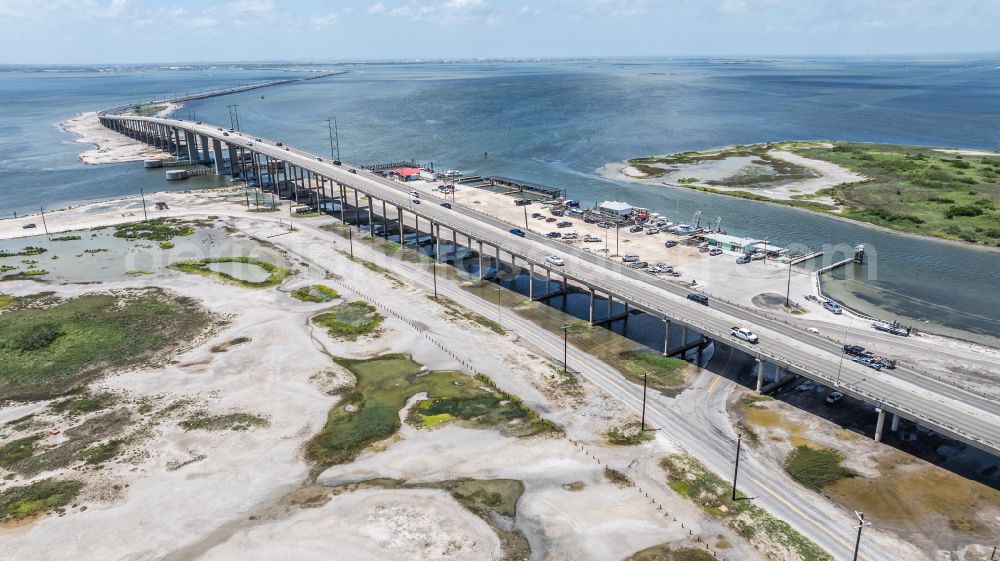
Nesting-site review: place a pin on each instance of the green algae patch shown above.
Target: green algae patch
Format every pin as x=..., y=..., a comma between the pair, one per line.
x=37, y=498
x=664, y=373
x=157, y=230
x=629, y=434
x=315, y=293
x=816, y=468
x=693, y=480
x=370, y=411
x=349, y=320
x=275, y=273
x=46, y=351
x=665, y=553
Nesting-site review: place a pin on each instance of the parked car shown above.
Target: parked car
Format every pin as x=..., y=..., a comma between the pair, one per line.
x=758, y=256
x=703, y=249
x=225, y=134
x=698, y=297
x=555, y=260
x=715, y=251
x=834, y=397
x=29, y=226
x=553, y=235
x=629, y=258
x=743, y=333
x=670, y=243
x=550, y=219
x=517, y=232
x=743, y=259
x=569, y=236
x=638, y=265
x=537, y=215
x=833, y=307
x=661, y=268
x=605, y=225
x=522, y=202
x=564, y=224
x=635, y=229
x=591, y=238
x=651, y=231
x=445, y=205
x=280, y=144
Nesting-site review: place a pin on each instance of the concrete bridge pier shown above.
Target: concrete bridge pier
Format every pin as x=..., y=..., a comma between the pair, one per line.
x=666, y=336
x=879, y=424
x=385, y=222
x=591, y=306
x=761, y=367
x=219, y=161
x=175, y=139
x=192, y=152
x=531, y=281
x=895, y=422
x=204, y=147
x=481, y=261
x=233, y=159
x=371, y=231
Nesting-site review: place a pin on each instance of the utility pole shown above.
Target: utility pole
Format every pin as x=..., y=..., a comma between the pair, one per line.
x=525, y=218
x=231, y=123
x=842, y=353
x=736, y=472
x=145, y=216
x=861, y=526
x=44, y=225
x=994, y=554
x=618, y=228
x=499, y=306
x=645, y=376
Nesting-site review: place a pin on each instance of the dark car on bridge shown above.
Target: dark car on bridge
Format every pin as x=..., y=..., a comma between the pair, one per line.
x=699, y=298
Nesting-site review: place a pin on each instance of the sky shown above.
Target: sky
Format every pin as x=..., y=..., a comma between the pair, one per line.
x=157, y=31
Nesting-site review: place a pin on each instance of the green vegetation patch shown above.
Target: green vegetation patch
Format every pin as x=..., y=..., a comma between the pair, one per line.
x=157, y=230
x=238, y=421
x=690, y=478
x=6, y=300
x=18, y=450
x=166, y=245
x=65, y=239
x=37, y=498
x=96, y=455
x=629, y=434
x=85, y=403
x=23, y=252
x=618, y=478
x=315, y=293
x=46, y=351
x=29, y=459
x=276, y=274
x=664, y=373
x=817, y=468
x=147, y=110
x=920, y=190
x=349, y=320
x=665, y=553
x=370, y=412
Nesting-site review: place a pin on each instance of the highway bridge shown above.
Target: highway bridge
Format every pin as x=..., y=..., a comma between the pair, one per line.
x=310, y=178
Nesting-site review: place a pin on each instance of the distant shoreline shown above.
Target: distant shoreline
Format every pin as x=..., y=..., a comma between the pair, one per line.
x=636, y=171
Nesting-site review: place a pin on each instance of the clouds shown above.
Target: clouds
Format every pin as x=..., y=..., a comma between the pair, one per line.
x=403, y=29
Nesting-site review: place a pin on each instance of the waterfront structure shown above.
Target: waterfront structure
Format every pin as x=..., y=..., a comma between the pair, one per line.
x=615, y=208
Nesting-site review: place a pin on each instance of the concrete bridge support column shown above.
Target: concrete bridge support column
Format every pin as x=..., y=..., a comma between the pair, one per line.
x=156, y=136
x=548, y=281
x=436, y=232
x=895, y=422
x=172, y=136
x=610, y=304
x=684, y=338
x=666, y=336
x=385, y=222
x=176, y=138
x=357, y=208
x=879, y=424
x=481, y=261
x=343, y=205
x=531, y=281
x=204, y=147
x=701, y=349
x=761, y=367
x=591, y=306
x=219, y=161
x=192, y=150
x=255, y=166
x=233, y=159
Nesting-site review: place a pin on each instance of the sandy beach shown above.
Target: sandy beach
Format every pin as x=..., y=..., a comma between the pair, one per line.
x=109, y=146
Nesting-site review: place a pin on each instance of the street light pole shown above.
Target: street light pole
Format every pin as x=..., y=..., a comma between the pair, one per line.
x=618, y=228
x=842, y=353
x=499, y=306
x=434, y=268
x=145, y=216
x=44, y=225
x=788, y=289
x=861, y=526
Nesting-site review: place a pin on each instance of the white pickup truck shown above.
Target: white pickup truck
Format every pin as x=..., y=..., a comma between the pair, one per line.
x=743, y=333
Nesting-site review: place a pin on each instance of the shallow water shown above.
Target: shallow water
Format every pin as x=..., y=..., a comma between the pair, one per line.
x=243, y=271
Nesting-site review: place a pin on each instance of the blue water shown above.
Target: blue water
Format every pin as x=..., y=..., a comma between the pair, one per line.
x=557, y=123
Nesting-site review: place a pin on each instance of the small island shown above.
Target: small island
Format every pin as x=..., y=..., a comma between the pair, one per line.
x=943, y=193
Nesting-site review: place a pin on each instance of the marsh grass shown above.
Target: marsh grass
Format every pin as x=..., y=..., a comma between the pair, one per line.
x=370, y=412
x=276, y=273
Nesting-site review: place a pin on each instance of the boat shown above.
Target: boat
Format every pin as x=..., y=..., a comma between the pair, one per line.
x=893, y=327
